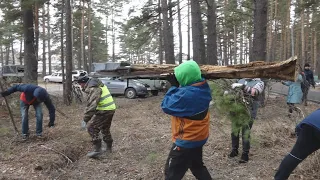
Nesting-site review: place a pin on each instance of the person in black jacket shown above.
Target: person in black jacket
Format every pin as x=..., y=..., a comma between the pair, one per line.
x=32, y=95
x=308, y=141
x=309, y=82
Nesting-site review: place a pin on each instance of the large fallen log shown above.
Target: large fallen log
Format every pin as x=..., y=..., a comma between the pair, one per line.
x=283, y=70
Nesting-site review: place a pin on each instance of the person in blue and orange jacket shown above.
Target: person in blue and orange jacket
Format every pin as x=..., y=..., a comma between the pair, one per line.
x=308, y=132
x=187, y=101
x=32, y=95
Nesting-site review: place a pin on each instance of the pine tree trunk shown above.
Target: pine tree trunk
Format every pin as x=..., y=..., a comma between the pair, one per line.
x=1, y=56
x=297, y=44
x=260, y=30
x=288, y=54
x=7, y=54
x=225, y=49
x=89, y=37
x=12, y=54
x=306, y=37
x=62, y=50
x=189, y=43
x=171, y=40
x=250, y=48
x=199, y=53
x=36, y=25
x=302, y=16
x=85, y=66
x=107, y=29
x=68, y=86
x=113, y=36
x=212, y=34
x=168, y=48
x=30, y=60
x=160, y=34
x=72, y=38
x=20, y=51
x=315, y=51
x=270, y=33
x=44, y=63
x=230, y=52
x=241, y=43
x=49, y=38
x=180, y=32
x=235, y=44
x=275, y=34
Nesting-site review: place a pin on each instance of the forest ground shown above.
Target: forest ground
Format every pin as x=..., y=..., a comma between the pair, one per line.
x=142, y=139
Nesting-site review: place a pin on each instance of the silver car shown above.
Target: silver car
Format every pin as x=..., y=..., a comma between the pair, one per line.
x=130, y=88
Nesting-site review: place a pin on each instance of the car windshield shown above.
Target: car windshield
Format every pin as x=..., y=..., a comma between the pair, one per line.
x=74, y=72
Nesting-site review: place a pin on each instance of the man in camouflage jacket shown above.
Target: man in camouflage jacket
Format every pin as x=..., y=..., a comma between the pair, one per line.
x=98, y=114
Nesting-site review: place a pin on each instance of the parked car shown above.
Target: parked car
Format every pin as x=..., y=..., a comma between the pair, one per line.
x=57, y=76
x=131, y=89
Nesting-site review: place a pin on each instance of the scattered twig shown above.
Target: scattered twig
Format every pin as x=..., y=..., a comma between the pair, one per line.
x=62, y=113
x=65, y=156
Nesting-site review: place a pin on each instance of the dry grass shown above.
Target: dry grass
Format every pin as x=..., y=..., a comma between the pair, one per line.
x=142, y=140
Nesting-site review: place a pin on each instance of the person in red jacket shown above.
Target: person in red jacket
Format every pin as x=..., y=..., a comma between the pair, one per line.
x=32, y=95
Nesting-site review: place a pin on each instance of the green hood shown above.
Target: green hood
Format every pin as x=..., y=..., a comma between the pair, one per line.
x=188, y=73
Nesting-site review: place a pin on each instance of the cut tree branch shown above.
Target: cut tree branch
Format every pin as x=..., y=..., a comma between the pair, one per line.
x=9, y=109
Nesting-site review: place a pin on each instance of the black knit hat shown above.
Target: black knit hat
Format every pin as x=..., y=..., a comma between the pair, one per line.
x=83, y=79
x=307, y=65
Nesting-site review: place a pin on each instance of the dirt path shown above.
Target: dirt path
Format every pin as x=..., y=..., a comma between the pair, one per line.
x=142, y=139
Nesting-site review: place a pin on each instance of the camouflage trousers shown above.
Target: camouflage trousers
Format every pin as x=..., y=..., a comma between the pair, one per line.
x=101, y=122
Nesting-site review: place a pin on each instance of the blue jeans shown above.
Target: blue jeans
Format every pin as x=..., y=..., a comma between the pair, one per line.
x=24, y=108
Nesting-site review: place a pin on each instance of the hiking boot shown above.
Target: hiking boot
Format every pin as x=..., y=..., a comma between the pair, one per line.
x=96, y=150
x=25, y=137
x=39, y=136
x=109, y=147
x=244, y=158
x=233, y=153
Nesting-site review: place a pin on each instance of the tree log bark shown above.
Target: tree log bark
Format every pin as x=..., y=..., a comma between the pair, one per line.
x=284, y=70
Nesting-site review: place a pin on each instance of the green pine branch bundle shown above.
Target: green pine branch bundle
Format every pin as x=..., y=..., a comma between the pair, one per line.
x=234, y=105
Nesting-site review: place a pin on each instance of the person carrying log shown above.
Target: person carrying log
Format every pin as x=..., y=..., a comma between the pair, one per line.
x=308, y=141
x=187, y=101
x=99, y=111
x=294, y=93
x=32, y=95
x=252, y=89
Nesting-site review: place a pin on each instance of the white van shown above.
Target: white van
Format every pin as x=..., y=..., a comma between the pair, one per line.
x=57, y=76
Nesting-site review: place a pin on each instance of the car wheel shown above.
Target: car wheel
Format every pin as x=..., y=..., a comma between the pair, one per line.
x=130, y=93
x=154, y=92
x=47, y=80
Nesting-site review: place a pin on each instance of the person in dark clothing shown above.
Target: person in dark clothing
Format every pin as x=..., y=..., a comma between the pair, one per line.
x=309, y=82
x=308, y=141
x=253, y=89
x=32, y=95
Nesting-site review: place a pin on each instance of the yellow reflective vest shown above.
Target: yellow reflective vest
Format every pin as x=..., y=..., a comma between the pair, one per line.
x=106, y=101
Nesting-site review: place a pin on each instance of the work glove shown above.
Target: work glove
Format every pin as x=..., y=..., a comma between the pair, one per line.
x=237, y=85
x=173, y=80
x=83, y=125
x=51, y=124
